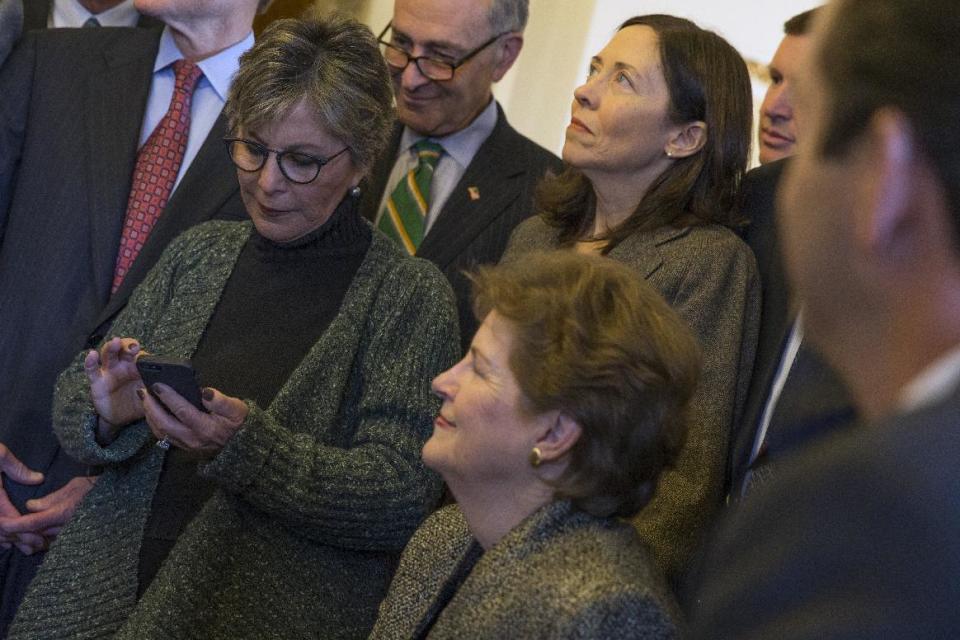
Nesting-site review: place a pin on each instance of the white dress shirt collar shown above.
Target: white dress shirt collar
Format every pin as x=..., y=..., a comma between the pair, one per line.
x=217, y=69
x=460, y=145
x=933, y=384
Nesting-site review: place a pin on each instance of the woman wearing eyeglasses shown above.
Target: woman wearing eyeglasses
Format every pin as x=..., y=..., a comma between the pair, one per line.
x=281, y=510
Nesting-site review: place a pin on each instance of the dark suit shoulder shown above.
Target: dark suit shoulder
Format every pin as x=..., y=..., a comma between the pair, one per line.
x=93, y=39
x=853, y=539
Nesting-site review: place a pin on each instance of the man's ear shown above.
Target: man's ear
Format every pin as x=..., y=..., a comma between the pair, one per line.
x=562, y=433
x=509, y=49
x=687, y=139
x=887, y=163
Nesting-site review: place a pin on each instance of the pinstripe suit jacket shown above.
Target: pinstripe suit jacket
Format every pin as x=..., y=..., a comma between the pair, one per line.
x=469, y=232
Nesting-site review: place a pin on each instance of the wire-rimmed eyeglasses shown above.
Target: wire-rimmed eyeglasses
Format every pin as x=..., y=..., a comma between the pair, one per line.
x=436, y=69
x=296, y=166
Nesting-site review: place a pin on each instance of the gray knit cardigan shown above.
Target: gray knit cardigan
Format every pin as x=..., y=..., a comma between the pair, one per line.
x=709, y=276
x=561, y=573
x=317, y=493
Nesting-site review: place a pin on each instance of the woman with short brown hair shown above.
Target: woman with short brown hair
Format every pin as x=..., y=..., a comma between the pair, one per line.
x=560, y=418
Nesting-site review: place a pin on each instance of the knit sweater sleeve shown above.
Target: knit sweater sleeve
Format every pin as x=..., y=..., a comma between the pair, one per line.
x=146, y=317
x=372, y=492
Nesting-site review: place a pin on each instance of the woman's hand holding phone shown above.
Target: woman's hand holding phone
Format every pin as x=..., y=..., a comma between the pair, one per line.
x=114, y=380
x=174, y=420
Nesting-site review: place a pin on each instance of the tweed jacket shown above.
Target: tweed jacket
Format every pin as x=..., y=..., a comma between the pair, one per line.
x=710, y=277
x=317, y=493
x=561, y=573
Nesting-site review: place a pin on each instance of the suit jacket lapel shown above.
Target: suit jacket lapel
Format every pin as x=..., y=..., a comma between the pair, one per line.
x=643, y=248
x=463, y=217
x=376, y=181
x=114, y=107
x=208, y=183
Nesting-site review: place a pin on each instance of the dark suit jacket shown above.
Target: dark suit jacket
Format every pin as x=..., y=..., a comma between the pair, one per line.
x=70, y=118
x=36, y=13
x=11, y=19
x=468, y=233
x=856, y=540
x=814, y=400
x=560, y=573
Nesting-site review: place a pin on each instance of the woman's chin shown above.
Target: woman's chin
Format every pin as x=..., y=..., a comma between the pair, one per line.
x=432, y=454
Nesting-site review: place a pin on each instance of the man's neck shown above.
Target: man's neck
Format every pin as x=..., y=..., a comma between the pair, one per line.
x=879, y=365
x=202, y=37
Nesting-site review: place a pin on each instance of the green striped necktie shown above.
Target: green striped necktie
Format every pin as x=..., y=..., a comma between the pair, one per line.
x=404, y=217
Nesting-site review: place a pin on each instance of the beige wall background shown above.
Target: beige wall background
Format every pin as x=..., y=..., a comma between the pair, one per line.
x=562, y=35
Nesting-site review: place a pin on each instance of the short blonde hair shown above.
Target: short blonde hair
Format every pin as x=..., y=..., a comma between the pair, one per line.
x=593, y=340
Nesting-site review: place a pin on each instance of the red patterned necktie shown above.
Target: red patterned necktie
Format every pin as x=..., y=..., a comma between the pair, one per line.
x=158, y=164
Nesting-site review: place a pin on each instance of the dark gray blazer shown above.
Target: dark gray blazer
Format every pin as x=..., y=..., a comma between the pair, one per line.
x=70, y=118
x=814, y=400
x=36, y=13
x=709, y=277
x=468, y=233
x=855, y=540
x=560, y=573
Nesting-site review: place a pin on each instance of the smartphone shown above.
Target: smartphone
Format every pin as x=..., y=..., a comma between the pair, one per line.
x=175, y=373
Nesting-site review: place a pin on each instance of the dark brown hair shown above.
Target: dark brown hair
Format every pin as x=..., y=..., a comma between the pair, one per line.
x=593, y=340
x=799, y=25
x=707, y=80
x=900, y=54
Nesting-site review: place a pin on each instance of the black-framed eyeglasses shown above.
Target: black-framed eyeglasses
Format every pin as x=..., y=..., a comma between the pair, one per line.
x=297, y=167
x=433, y=68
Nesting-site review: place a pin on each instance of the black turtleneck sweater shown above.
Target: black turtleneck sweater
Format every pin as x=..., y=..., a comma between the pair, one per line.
x=277, y=303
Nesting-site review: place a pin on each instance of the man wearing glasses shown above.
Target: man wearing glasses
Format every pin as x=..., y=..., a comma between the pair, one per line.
x=456, y=177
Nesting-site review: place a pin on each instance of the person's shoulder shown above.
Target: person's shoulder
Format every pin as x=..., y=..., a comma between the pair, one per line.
x=868, y=514
x=212, y=233
x=766, y=177
x=533, y=234
x=524, y=148
x=400, y=265
x=444, y=531
x=400, y=272
x=93, y=39
x=709, y=242
x=602, y=572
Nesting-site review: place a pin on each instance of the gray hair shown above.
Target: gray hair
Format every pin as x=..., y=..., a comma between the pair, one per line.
x=331, y=61
x=508, y=15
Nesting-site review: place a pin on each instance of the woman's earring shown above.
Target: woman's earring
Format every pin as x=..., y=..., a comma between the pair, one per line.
x=355, y=192
x=536, y=457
